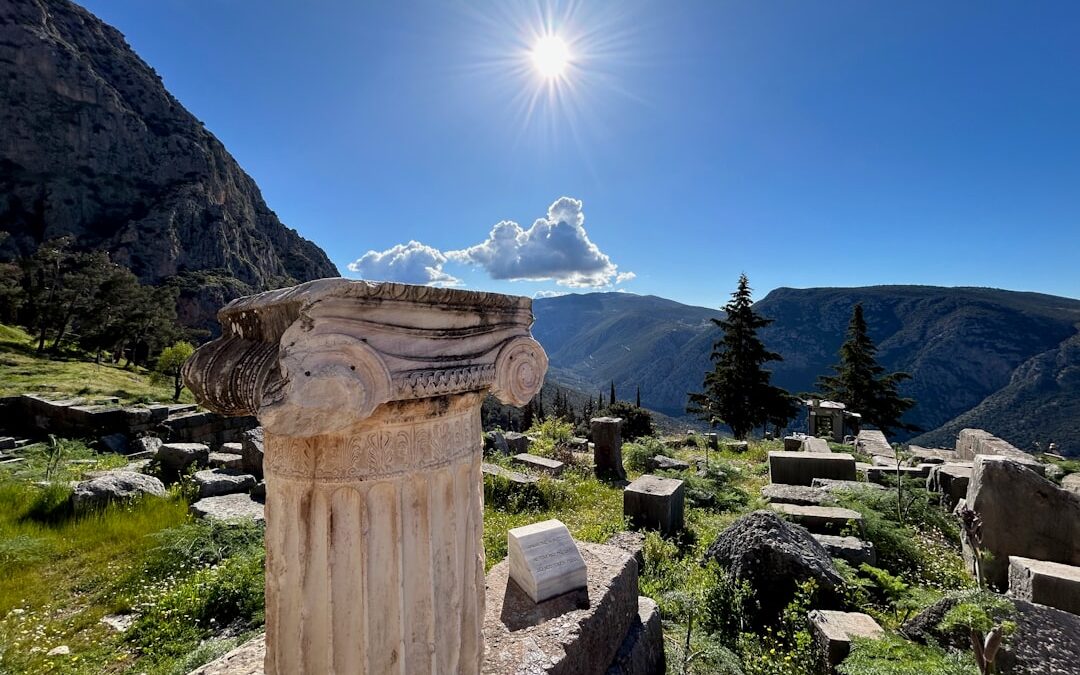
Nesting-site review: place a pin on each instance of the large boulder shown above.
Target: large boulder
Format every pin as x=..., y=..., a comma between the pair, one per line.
x=1046, y=640
x=774, y=557
x=1023, y=514
x=114, y=486
x=251, y=448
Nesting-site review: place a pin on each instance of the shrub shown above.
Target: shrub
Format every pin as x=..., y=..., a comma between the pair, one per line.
x=636, y=455
x=718, y=489
x=890, y=655
x=637, y=422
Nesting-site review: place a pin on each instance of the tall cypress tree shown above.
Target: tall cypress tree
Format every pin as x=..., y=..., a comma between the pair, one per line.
x=611, y=401
x=860, y=382
x=738, y=392
x=637, y=401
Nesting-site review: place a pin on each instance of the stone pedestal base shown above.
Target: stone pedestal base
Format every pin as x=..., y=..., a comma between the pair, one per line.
x=579, y=633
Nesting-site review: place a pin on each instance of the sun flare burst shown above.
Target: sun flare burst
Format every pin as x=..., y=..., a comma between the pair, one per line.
x=551, y=56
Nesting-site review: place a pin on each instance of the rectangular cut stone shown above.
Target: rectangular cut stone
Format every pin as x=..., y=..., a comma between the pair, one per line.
x=801, y=468
x=973, y=442
x=518, y=443
x=642, y=650
x=877, y=474
x=833, y=632
x=537, y=463
x=656, y=503
x=813, y=444
x=820, y=519
x=1023, y=514
x=795, y=494
x=852, y=549
x=607, y=447
x=931, y=455
x=512, y=476
x=1047, y=583
x=873, y=442
x=545, y=561
x=951, y=480
x=572, y=634
x=793, y=443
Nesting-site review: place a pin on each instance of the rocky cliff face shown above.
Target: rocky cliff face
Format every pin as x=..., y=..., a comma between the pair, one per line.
x=93, y=146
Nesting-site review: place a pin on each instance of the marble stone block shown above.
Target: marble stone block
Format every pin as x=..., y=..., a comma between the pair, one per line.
x=545, y=561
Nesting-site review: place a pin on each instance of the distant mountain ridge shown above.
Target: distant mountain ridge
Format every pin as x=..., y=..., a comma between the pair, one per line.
x=1005, y=361
x=93, y=146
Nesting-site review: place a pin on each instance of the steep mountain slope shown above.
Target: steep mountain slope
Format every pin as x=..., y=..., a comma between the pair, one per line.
x=93, y=146
x=962, y=345
x=1040, y=405
x=634, y=340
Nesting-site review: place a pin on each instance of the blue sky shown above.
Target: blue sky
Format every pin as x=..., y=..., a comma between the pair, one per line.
x=804, y=143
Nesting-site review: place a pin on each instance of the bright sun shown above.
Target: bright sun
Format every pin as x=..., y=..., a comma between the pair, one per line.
x=551, y=56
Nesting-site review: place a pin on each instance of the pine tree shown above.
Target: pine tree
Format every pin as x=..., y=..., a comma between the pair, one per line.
x=860, y=382
x=528, y=415
x=737, y=392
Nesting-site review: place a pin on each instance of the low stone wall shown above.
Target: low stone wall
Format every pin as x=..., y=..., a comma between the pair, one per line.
x=35, y=416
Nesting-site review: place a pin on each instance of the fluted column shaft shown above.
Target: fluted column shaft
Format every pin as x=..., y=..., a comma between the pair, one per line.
x=374, y=544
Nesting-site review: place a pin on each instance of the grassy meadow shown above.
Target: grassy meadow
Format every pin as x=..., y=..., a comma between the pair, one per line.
x=71, y=374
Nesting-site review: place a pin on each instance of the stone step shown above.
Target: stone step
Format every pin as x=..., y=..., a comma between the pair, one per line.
x=665, y=463
x=226, y=460
x=801, y=468
x=833, y=632
x=814, y=444
x=852, y=549
x=802, y=495
x=820, y=519
x=217, y=482
x=873, y=442
x=229, y=507
x=551, y=467
x=831, y=485
x=1047, y=583
x=512, y=476
x=7, y=443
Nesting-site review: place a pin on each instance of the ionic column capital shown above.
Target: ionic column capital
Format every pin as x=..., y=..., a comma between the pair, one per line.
x=321, y=357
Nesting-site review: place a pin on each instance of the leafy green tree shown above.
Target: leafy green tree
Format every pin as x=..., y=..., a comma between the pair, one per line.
x=170, y=363
x=738, y=392
x=861, y=384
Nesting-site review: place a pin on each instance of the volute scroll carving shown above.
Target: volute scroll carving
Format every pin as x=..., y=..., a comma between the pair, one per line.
x=519, y=371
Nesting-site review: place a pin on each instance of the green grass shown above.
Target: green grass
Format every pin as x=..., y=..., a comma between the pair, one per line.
x=186, y=580
x=23, y=371
x=62, y=575
x=59, y=460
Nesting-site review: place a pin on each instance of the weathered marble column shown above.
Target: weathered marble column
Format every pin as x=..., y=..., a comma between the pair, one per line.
x=369, y=395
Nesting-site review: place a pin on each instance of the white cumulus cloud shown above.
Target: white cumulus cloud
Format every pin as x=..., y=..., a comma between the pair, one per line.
x=412, y=263
x=554, y=247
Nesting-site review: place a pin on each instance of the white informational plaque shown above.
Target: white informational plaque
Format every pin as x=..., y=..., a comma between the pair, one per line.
x=545, y=561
